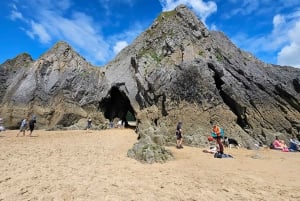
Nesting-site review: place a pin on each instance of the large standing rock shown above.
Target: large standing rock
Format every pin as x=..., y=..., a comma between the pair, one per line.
x=60, y=88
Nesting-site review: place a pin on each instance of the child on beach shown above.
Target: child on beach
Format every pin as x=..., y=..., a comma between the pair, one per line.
x=179, y=136
x=23, y=126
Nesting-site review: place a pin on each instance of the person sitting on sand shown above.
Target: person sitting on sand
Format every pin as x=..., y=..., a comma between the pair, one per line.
x=294, y=144
x=213, y=148
x=279, y=144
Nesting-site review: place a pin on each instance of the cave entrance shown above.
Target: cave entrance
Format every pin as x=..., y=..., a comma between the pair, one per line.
x=117, y=105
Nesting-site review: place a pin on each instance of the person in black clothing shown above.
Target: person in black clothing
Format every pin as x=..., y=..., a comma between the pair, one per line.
x=179, y=136
x=89, y=124
x=31, y=124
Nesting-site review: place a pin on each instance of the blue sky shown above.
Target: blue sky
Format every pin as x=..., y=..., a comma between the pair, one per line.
x=99, y=29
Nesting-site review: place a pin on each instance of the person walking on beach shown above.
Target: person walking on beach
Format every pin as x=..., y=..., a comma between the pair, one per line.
x=31, y=124
x=179, y=136
x=23, y=126
x=89, y=124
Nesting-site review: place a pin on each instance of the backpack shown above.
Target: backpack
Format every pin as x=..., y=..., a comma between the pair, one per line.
x=221, y=133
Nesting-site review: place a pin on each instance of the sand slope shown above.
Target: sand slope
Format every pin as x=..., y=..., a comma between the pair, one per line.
x=75, y=165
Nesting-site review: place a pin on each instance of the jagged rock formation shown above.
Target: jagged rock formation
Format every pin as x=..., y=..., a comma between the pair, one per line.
x=177, y=70
x=50, y=87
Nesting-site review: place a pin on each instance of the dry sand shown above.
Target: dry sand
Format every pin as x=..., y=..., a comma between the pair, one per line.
x=75, y=165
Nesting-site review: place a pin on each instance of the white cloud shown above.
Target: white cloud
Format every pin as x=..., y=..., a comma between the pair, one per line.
x=213, y=27
x=130, y=34
x=294, y=34
x=15, y=14
x=119, y=46
x=288, y=3
x=109, y=4
x=39, y=31
x=63, y=4
x=258, y=7
x=79, y=30
x=278, y=20
x=123, y=39
x=289, y=54
x=246, y=7
x=201, y=8
x=283, y=39
x=267, y=43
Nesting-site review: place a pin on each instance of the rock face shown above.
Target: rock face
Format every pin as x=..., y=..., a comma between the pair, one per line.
x=51, y=87
x=176, y=70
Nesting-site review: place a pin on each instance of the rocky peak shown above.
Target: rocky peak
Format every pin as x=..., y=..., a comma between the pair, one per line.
x=22, y=60
x=63, y=54
x=174, y=34
x=60, y=49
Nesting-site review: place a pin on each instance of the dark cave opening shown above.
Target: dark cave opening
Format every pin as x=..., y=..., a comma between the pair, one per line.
x=117, y=105
x=296, y=84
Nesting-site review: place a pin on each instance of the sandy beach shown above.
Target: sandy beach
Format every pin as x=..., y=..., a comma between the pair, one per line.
x=75, y=165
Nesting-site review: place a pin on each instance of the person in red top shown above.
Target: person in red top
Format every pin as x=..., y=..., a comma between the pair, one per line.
x=216, y=129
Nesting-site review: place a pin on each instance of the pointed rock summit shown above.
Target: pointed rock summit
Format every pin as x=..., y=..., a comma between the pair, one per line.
x=176, y=70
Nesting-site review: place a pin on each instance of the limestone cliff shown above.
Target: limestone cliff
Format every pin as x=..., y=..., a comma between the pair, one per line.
x=177, y=70
x=51, y=87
